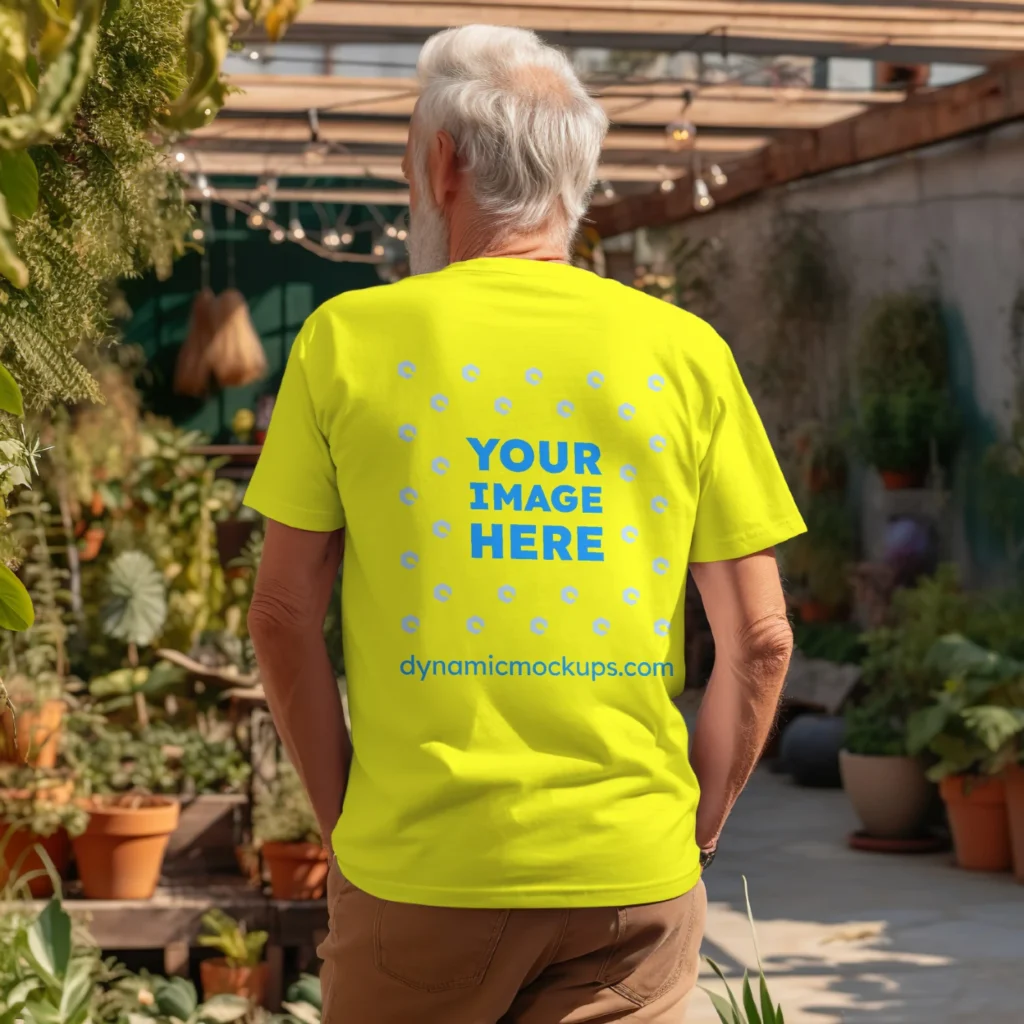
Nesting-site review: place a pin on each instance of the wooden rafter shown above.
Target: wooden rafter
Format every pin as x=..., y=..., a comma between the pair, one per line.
x=728, y=106
x=978, y=103
x=252, y=132
x=748, y=24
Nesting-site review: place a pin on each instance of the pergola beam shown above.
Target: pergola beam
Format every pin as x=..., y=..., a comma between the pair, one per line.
x=975, y=33
x=726, y=106
x=978, y=103
x=254, y=132
x=338, y=196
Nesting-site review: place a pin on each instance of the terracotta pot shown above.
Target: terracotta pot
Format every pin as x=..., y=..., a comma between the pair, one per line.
x=38, y=734
x=816, y=611
x=20, y=853
x=220, y=978
x=298, y=871
x=1013, y=778
x=890, y=794
x=97, y=506
x=121, y=851
x=976, y=806
x=902, y=479
x=21, y=842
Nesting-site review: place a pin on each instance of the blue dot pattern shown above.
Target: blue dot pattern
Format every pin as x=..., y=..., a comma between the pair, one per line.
x=410, y=559
x=442, y=592
x=506, y=594
x=439, y=403
x=407, y=432
x=570, y=594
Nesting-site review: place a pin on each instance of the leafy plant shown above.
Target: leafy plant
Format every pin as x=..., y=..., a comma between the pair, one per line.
x=282, y=812
x=906, y=408
x=37, y=800
x=873, y=730
x=752, y=1011
x=973, y=724
x=48, y=981
x=817, y=562
x=304, y=1000
x=240, y=948
x=176, y=1000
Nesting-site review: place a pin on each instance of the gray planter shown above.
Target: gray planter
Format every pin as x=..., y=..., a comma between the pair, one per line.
x=891, y=795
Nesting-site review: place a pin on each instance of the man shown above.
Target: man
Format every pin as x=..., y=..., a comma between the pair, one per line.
x=524, y=459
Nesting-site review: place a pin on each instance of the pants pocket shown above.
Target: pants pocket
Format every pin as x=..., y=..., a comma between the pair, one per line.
x=436, y=948
x=656, y=943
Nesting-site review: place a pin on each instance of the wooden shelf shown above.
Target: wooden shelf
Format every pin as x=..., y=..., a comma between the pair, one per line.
x=239, y=454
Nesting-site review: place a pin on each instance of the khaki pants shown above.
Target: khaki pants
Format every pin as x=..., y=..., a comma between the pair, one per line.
x=398, y=963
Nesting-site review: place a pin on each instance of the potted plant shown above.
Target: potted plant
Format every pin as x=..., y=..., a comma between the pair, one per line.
x=971, y=729
x=32, y=721
x=887, y=787
x=240, y=970
x=126, y=779
x=906, y=410
x=288, y=836
x=1013, y=778
x=36, y=812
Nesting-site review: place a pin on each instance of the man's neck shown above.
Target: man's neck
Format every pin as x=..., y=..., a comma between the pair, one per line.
x=538, y=245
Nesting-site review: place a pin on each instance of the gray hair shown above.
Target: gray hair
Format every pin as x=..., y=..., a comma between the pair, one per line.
x=523, y=124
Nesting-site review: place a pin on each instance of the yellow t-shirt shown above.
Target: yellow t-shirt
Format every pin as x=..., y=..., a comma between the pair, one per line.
x=525, y=457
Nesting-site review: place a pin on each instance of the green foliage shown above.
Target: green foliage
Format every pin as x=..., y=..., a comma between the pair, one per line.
x=817, y=562
x=45, y=979
x=137, y=604
x=872, y=729
x=239, y=947
x=31, y=798
x=283, y=813
x=158, y=759
x=902, y=375
x=753, y=1011
x=38, y=656
x=831, y=641
x=108, y=206
x=306, y=990
x=973, y=724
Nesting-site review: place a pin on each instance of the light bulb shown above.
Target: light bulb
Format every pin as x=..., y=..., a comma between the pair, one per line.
x=391, y=231
x=608, y=190
x=681, y=132
x=255, y=219
x=296, y=232
x=402, y=234
x=265, y=206
x=346, y=237
x=179, y=156
x=702, y=198
x=667, y=185
x=254, y=55
x=378, y=248
x=198, y=234
x=277, y=234
x=331, y=239
x=718, y=176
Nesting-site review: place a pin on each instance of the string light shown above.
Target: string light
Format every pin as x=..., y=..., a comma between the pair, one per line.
x=180, y=156
x=681, y=131
x=330, y=239
x=608, y=190
x=378, y=248
x=277, y=234
x=254, y=55
x=296, y=232
x=265, y=206
x=203, y=184
x=391, y=231
x=702, y=198
x=402, y=234
x=255, y=219
x=346, y=237
x=198, y=233
x=718, y=176
x=667, y=185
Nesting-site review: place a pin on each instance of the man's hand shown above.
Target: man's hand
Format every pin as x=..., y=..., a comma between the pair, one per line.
x=746, y=609
x=286, y=618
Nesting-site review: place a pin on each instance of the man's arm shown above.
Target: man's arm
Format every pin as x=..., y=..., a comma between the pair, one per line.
x=746, y=609
x=286, y=618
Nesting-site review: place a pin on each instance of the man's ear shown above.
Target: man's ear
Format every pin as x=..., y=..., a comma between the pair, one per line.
x=442, y=167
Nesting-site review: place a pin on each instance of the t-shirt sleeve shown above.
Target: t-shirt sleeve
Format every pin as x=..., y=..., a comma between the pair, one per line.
x=295, y=481
x=744, y=505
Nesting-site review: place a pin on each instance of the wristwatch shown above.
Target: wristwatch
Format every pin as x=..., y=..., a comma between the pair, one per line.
x=706, y=857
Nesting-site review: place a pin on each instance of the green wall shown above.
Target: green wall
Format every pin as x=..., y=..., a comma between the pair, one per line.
x=282, y=283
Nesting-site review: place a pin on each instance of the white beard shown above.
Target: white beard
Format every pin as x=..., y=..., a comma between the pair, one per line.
x=428, y=239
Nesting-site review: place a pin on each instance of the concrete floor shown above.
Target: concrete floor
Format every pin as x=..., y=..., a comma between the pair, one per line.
x=857, y=937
